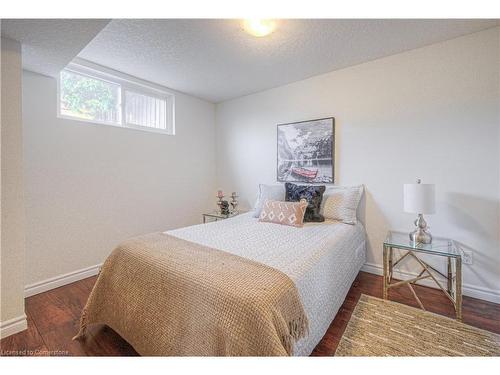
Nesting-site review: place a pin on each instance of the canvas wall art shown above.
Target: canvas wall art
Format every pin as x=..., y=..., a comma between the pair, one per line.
x=306, y=151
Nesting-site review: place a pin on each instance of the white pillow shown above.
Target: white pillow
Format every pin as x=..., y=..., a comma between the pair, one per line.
x=341, y=203
x=268, y=192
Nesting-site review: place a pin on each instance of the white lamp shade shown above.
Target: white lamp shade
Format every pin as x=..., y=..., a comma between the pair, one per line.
x=419, y=198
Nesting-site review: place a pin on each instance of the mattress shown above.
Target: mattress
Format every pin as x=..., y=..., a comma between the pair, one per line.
x=322, y=259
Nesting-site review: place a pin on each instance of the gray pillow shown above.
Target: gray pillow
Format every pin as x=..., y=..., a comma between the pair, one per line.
x=272, y=192
x=341, y=203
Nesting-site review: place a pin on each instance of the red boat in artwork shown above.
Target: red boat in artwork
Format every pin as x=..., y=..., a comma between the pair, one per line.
x=307, y=173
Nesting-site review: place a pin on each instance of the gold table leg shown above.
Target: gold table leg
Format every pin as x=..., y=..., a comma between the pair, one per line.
x=450, y=277
x=416, y=297
x=391, y=264
x=386, y=270
x=458, y=288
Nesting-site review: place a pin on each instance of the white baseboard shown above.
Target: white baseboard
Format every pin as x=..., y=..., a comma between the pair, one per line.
x=57, y=281
x=14, y=325
x=475, y=291
x=490, y=295
x=18, y=324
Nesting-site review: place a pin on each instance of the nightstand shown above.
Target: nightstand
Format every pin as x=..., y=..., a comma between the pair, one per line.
x=216, y=216
x=440, y=247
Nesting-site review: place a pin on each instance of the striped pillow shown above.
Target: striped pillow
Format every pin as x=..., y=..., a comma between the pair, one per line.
x=286, y=213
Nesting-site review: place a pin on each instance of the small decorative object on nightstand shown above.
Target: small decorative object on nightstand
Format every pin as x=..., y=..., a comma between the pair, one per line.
x=226, y=209
x=223, y=205
x=420, y=199
x=441, y=247
x=234, y=202
x=220, y=196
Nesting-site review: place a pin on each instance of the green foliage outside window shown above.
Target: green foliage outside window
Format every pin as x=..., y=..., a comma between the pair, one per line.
x=87, y=97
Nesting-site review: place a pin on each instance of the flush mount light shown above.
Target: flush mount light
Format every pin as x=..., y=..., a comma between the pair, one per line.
x=259, y=27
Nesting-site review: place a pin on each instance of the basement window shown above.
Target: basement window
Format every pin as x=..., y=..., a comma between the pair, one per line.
x=90, y=94
x=143, y=110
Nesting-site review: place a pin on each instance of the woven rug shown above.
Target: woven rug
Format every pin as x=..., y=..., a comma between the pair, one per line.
x=385, y=328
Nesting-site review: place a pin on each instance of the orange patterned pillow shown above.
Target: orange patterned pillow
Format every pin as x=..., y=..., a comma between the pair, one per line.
x=286, y=213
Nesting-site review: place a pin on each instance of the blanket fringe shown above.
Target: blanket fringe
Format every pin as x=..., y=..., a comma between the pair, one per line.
x=83, y=326
x=297, y=329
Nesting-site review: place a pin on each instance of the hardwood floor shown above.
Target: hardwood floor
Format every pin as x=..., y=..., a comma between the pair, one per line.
x=53, y=319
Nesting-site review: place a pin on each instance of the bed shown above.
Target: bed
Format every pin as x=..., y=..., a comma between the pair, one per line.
x=319, y=261
x=322, y=259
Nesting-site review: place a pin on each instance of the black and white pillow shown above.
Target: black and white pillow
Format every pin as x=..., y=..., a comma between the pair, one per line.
x=313, y=195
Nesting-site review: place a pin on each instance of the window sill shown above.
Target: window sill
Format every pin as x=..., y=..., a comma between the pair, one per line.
x=121, y=126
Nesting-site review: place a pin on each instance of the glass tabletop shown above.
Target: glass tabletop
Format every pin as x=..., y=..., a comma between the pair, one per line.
x=439, y=246
x=219, y=215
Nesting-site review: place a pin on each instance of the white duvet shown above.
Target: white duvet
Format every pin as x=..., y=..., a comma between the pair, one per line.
x=322, y=259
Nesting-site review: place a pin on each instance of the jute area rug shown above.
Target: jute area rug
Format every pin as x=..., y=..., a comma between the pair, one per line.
x=385, y=328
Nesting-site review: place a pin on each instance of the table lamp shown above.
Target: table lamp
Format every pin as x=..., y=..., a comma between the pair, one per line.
x=420, y=199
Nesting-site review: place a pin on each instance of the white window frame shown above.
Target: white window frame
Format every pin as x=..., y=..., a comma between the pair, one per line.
x=126, y=83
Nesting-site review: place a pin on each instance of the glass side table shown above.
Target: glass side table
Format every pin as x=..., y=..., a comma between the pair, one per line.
x=442, y=247
x=216, y=216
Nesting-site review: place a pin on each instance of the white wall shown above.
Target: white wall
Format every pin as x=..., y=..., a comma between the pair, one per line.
x=89, y=187
x=431, y=113
x=12, y=318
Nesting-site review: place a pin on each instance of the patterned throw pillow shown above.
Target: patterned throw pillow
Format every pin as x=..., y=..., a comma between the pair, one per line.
x=341, y=203
x=313, y=195
x=286, y=213
x=272, y=192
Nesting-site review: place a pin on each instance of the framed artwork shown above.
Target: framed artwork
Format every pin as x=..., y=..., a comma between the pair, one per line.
x=306, y=151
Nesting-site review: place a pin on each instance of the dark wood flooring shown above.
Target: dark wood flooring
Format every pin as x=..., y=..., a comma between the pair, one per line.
x=53, y=319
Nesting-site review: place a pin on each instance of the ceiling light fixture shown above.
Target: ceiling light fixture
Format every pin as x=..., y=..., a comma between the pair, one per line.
x=259, y=27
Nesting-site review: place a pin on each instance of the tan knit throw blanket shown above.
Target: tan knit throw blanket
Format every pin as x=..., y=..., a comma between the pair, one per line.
x=168, y=296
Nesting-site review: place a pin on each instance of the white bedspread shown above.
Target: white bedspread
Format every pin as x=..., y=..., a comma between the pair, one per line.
x=322, y=259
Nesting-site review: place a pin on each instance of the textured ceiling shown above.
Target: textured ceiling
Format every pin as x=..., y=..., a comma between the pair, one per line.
x=216, y=60
x=48, y=45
